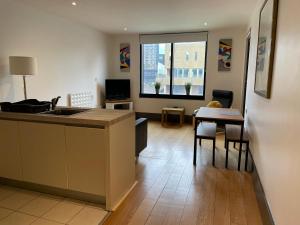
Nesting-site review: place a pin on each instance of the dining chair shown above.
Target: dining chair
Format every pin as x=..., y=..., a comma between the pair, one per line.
x=232, y=134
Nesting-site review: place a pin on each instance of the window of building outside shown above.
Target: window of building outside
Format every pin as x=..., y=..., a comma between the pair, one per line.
x=170, y=65
x=187, y=56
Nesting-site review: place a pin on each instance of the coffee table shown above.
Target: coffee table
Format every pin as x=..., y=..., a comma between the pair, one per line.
x=172, y=110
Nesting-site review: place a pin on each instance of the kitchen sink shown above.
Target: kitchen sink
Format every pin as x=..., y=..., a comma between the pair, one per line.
x=65, y=112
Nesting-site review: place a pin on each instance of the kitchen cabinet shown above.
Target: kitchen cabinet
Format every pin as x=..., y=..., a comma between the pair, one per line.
x=86, y=148
x=43, y=153
x=10, y=158
x=87, y=156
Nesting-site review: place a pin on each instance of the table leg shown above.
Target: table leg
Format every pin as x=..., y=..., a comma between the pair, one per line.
x=162, y=117
x=214, y=152
x=166, y=117
x=241, y=146
x=181, y=118
x=195, y=142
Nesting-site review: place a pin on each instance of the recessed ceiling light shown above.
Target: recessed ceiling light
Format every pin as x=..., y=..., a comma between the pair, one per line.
x=205, y=24
x=125, y=29
x=74, y=3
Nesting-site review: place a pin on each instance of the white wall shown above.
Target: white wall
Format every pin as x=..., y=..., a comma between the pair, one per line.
x=71, y=57
x=215, y=80
x=274, y=123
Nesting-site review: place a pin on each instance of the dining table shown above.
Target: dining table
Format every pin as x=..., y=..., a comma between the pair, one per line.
x=221, y=115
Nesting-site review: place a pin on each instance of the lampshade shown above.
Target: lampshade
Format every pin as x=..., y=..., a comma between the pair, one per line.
x=21, y=65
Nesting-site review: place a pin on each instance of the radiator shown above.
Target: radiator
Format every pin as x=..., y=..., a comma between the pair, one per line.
x=82, y=99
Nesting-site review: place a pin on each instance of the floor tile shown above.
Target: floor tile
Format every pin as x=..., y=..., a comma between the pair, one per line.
x=4, y=213
x=5, y=192
x=63, y=212
x=89, y=216
x=18, y=199
x=18, y=219
x=39, y=206
x=45, y=222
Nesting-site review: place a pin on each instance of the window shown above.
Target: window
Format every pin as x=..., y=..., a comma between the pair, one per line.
x=185, y=72
x=200, y=72
x=190, y=68
x=180, y=71
x=156, y=67
x=195, y=72
x=187, y=56
x=170, y=64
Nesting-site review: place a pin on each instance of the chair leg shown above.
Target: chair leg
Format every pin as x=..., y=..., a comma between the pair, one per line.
x=226, y=160
x=200, y=140
x=214, y=151
x=234, y=144
x=195, y=142
x=225, y=140
x=195, y=151
x=246, y=160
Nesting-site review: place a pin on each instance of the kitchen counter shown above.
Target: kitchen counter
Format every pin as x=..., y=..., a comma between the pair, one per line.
x=92, y=117
x=88, y=156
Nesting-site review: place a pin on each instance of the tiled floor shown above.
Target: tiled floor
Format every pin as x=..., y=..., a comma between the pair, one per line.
x=21, y=207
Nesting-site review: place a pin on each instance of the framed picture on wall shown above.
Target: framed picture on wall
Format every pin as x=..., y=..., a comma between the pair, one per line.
x=125, y=57
x=265, y=48
x=225, y=52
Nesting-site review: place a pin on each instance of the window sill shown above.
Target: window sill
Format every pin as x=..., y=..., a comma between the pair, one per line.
x=187, y=97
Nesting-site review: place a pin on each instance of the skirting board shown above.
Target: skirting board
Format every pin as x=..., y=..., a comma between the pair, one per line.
x=54, y=191
x=264, y=208
x=124, y=196
x=157, y=116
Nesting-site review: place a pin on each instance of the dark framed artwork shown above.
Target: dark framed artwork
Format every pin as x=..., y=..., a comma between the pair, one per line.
x=224, y=58
x=266, y=48
x=125, y=57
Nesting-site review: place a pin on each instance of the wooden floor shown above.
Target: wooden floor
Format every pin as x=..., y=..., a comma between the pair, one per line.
x=172, y=191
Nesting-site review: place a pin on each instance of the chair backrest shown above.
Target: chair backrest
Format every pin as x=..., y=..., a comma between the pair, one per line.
x=224, y=97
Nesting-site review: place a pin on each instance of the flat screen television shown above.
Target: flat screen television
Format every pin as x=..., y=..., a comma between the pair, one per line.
x=117, y=89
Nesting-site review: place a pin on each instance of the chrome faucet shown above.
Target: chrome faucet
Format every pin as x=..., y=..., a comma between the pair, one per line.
x=54, y=102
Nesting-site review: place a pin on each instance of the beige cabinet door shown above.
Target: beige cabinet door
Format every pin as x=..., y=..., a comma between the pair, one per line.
x=10, y=158
x=86, y=149
x=43, y=152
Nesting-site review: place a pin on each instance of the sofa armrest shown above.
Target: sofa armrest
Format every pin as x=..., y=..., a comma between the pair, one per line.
x=141, y=135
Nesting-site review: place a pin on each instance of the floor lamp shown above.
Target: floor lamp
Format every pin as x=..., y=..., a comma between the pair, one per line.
x=22, y=65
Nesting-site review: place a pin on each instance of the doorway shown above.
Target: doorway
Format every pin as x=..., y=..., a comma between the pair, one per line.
x=247, y=54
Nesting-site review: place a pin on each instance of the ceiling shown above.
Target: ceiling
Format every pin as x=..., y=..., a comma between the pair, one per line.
x=146, y=16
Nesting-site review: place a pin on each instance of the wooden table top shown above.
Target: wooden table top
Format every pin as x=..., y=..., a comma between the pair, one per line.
x=221, y=114
x=173, y=109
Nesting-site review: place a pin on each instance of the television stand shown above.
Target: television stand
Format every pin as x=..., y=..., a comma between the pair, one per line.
x=119, y=104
